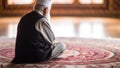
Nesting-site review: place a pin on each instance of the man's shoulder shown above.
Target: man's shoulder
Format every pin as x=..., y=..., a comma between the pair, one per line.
x=43, y=20
x=32, y=15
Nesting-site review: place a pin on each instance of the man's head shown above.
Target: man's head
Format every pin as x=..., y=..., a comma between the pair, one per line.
x=44, y=6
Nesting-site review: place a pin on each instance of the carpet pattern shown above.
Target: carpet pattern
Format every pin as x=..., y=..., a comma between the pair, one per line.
x=80, y=53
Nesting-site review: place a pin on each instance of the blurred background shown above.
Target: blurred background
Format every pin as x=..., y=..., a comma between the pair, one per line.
x=98, y=19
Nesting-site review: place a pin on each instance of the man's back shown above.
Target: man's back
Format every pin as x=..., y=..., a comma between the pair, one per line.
x=30, y=44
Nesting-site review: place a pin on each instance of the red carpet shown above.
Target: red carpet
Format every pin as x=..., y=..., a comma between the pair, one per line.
x=87, y=53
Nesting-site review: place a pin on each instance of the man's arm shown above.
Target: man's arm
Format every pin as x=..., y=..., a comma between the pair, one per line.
x=44, y=28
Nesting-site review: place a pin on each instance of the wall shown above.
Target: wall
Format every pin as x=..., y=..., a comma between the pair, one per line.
x=0, y=7
x=111, y=8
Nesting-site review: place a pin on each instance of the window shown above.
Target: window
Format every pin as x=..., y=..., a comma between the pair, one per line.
x=91, y=1
x=63, y=1
x=12, y=2
x=59, y=8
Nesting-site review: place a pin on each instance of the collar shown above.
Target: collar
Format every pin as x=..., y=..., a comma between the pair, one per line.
x=39, y=12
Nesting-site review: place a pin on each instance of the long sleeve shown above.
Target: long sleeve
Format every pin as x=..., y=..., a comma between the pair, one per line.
x=44, y=28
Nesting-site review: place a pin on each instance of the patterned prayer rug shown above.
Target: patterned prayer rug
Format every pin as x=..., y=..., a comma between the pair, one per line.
x=80, y=53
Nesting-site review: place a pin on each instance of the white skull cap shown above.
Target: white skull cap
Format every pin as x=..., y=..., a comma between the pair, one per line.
x=44, y=2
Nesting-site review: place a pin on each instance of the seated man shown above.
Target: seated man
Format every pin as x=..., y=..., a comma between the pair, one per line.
x=35, y=39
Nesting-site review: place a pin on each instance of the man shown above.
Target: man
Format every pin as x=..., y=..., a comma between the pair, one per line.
x=35, y=39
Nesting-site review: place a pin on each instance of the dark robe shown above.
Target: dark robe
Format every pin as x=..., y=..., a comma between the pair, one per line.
x=31, y=46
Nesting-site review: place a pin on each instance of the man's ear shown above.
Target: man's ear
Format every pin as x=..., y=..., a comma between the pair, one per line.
x=45, y=11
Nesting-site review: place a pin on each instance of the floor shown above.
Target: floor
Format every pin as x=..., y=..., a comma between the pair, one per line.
x=82, y=27
x=92, y=31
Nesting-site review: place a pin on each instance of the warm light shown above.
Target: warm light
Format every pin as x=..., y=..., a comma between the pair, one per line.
x=11, y=2
x=98, y=30
x=91, y=1
x=89, y=29
x=98, y=1
x=85, y=1
x=63, y=1
x=85, y=30
x=63, y=28
x=12, y=30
